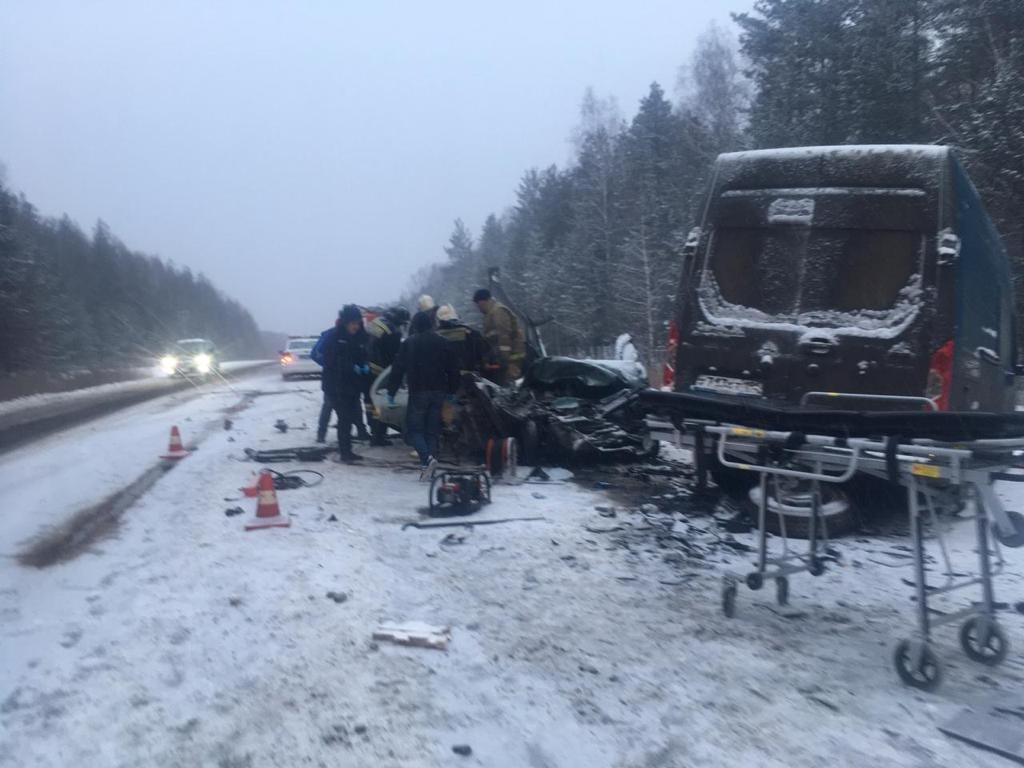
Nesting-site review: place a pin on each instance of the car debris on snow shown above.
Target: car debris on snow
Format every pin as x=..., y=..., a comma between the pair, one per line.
x=338, y=597
x=415, y=633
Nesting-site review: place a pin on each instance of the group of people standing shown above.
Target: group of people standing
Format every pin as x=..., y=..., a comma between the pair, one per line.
x=439, y=347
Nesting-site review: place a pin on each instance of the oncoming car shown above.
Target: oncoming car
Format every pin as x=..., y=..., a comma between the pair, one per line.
x=295, y=357
x=191, y=357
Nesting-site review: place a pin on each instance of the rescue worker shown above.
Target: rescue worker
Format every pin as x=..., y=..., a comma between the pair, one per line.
x=625, y=349
x=470, y=347
x=504, y=332
x=428, y=363
x=346, y=365
x=327, y=407
x=425, y=305
x=385, y=340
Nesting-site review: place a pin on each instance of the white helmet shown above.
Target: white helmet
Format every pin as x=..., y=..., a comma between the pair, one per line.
x=447, y=313
x=426, y=302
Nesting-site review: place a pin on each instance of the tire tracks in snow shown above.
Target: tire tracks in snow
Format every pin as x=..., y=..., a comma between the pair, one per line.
x=99, y=521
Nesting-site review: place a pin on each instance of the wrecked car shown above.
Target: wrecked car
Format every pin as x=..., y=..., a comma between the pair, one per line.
x=565, y=411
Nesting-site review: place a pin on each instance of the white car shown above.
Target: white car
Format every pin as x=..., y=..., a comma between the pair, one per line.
x=295, y=359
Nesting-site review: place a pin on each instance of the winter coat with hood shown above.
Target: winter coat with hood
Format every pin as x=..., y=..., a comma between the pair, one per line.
x=344, y=353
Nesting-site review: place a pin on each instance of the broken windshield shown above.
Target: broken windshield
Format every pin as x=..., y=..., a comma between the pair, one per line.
x=800, y=273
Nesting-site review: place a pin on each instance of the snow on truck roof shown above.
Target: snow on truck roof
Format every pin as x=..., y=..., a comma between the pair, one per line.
x=800, y=153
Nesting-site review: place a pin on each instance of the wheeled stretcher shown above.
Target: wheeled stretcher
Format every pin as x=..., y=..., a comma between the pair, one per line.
x=946, y=462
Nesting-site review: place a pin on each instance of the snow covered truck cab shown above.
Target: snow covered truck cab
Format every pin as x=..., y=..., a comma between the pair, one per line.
x=857, y=276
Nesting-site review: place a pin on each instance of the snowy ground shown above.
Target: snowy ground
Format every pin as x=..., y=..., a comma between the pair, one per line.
x=183, y=641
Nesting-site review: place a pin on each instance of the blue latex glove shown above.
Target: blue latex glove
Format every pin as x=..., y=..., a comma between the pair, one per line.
x=391, y=401
x=366, y=369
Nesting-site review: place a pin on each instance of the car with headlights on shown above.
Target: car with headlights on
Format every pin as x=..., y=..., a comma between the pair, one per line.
x=296, y=360
x=191, y=357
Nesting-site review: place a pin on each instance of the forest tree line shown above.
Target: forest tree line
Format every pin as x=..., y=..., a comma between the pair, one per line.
x=595, y=246
x=69, y=300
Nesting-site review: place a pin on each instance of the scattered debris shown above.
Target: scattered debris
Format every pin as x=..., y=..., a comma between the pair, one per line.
x=537, y=495
x=452, y=538
x=232, y=511
x=469, y=523
x=338, y=597
x=416, y=634
x=302, y=453
x=359, y=730
x=538, y=473
x=228, y=424
x=281, y=426
x=823, y=702
x=337, y=734
x=462, y=749
x=333, y=518
x=994, y=726
x=589, y=668
x=234, y=602
x=738, y=523
x=605, y=511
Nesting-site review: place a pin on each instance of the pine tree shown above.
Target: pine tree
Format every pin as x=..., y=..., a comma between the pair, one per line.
x=648, y=274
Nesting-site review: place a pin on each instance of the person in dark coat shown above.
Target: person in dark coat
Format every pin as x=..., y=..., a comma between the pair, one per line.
x=428, y=363
x=327, y=408
x=425, y=308
x=470, y=348
x=346, y=366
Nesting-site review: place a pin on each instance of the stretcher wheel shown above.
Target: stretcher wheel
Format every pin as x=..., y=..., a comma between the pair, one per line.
x=1015, y=539
x=984, y=641
x=925, y=674
x=816, y=566
x=729, y=599
x=755, y=580
x=782, y=590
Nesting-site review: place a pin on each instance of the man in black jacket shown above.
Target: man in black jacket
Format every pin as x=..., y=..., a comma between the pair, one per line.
x=428, y=362
x=346, y=366
x=468, y=344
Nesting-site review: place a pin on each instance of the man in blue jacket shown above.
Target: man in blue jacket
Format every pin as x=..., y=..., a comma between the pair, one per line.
x=327, y=408
x=346, y=366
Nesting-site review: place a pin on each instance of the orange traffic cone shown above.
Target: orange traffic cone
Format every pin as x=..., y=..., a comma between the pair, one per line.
x=175, y=450
x=268, y=514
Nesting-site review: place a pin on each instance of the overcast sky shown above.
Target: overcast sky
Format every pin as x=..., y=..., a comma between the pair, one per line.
x=308, y=154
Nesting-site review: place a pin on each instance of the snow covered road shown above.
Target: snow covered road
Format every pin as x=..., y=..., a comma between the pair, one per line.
x=183, y=641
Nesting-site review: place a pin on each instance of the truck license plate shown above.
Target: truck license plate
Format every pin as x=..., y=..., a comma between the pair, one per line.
x=725, y=385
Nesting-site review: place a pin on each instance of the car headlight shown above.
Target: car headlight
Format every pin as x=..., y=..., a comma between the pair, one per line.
x=168, y=364
x=203, y=363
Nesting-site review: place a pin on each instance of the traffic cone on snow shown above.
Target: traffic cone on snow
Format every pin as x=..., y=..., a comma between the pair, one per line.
x=268, y=514
x=175, y=450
